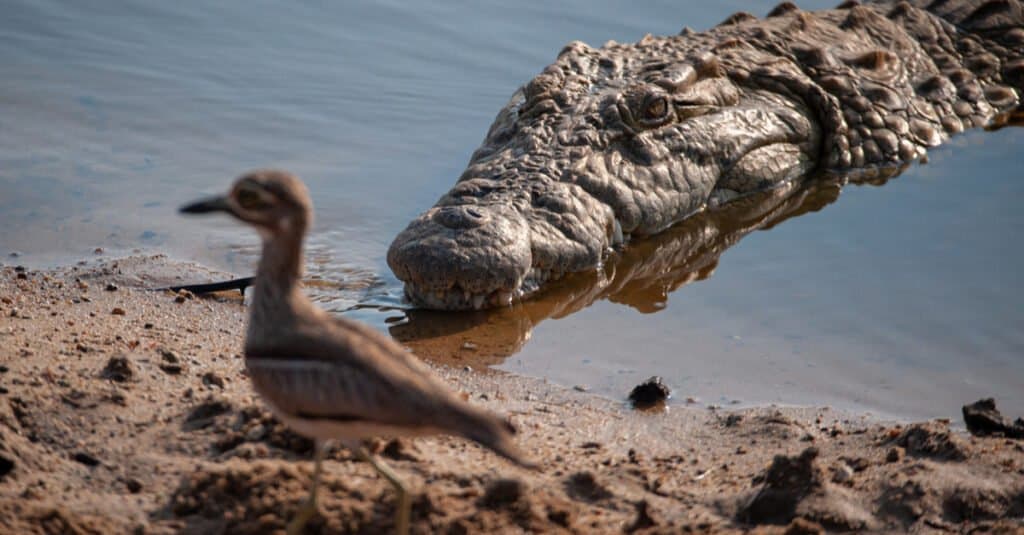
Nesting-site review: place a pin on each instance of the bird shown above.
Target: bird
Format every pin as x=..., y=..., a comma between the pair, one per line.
x=327, y=377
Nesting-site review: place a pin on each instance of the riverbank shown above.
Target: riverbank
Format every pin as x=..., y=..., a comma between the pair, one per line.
x=124, y=410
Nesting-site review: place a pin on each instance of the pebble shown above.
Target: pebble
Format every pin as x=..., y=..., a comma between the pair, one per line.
x=842, y=473
x=117, y=311
x=134, y=485
x=86, y=459
x=111, y=287
x=212, y=379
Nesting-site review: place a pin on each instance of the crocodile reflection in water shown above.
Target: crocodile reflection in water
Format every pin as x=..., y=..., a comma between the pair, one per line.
x=641, y=276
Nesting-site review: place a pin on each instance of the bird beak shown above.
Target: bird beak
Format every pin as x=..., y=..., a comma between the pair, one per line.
x=205, y=206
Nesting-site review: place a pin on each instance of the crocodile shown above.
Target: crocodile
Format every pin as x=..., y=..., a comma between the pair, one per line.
x=641, y=277
x=610, y=144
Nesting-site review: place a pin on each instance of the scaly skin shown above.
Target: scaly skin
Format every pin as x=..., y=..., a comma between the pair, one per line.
x=629, y=139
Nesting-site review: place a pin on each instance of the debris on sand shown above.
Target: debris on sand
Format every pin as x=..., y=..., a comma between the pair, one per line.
x=983, y=419
x=118, y=369
x=649, y=393
x=796, y=488
x=933, y=440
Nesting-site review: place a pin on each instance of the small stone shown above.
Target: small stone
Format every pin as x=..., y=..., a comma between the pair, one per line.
x=22, y=276
x=469, y=346
x=14, y=313
x=134, y=485
x=147, y=326
x=6, y=466
x=580, y=388
x=649, y=394
x=117, y=311
x=172, y=369
x=98, y=250
x=110, y=287
x=256, y=433
x=842, y=473
x=212, y=379
x=86, y=459
x=893, y=455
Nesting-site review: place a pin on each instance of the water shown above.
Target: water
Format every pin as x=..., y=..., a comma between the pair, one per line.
x=902, y=299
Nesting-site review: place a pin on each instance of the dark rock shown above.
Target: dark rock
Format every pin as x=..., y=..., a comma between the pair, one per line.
x=118, y=369
x=503, y=492
x=134, y=485
x=6, y=466
x=983, y=419
x=111, y=287
x=212, y=379
x=649, y=393
x=584, y=486
x=85, y=458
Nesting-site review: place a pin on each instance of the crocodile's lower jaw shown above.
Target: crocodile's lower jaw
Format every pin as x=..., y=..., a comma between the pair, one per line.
x=455, y=298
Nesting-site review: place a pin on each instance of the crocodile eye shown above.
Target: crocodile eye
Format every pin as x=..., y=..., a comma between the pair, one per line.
x=656, y=109
x=251, y=199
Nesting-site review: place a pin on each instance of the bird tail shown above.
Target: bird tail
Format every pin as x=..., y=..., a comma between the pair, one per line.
x=492, y=431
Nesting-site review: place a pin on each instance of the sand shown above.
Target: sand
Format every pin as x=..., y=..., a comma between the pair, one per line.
x=124, y=410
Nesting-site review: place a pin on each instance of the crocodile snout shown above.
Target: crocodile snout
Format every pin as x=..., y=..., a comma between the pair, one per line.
x=460, y=217
x=462, y=257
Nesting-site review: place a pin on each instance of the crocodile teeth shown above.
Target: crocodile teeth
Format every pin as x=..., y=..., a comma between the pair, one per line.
x=503, y=297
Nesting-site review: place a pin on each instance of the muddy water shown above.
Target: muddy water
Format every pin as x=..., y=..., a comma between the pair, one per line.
x=903, y=299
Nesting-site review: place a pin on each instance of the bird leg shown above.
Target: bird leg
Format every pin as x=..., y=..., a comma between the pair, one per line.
x=308, y=509
x=404, y=508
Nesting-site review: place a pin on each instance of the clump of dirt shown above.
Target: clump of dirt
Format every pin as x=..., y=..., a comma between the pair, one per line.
x=585, y=486
x=786, y=483
x=933, y=440
x=253, y=424
x=118, y=369
x=796, y=487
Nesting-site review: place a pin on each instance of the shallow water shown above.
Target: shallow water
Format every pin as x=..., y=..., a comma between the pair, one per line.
x=902, y=299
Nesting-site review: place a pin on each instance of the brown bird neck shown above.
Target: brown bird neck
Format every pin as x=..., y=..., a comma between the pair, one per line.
x=279, y=275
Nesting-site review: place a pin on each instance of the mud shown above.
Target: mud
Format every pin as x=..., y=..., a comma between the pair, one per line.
x=96, y=436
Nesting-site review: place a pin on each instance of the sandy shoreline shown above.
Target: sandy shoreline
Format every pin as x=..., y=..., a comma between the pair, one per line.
x=126, y=410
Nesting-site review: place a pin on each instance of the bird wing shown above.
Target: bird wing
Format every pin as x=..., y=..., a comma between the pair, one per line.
x=341, y=370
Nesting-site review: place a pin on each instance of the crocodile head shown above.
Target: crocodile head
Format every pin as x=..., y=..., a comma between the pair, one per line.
x=604, y=144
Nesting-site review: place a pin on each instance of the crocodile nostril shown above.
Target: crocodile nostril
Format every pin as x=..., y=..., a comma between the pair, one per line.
x=459, y=217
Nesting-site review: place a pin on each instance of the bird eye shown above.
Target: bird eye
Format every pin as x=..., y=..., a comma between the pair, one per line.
x=250, y=199
x=656, y=109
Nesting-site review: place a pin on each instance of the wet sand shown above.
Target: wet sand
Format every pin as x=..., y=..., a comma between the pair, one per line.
x=124, y=410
